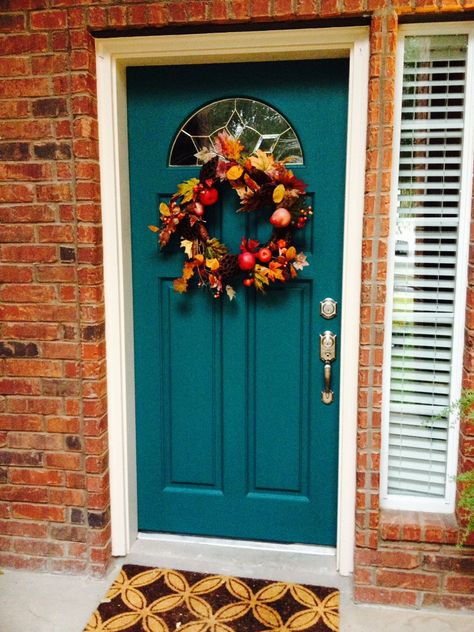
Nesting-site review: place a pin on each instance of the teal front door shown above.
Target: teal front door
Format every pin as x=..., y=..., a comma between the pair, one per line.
x=233, y=439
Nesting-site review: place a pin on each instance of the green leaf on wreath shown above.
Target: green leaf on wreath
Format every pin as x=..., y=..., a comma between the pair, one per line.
x=185, y=189
x=215, y=249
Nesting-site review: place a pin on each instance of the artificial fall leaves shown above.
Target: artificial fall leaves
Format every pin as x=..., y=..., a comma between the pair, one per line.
x=262, y=184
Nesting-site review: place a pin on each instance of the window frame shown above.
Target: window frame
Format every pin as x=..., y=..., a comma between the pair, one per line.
x=418, y=503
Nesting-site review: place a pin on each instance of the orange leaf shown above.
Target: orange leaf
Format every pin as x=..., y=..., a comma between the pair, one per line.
x=234, y=172
x=180, y=285
x=278, y=193
x=154, y=229
x=291, y=253
x=212, y=264
x=188, y=270
x=251, y=183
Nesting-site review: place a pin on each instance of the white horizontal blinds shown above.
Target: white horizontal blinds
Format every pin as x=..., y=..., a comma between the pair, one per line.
x=429, y=184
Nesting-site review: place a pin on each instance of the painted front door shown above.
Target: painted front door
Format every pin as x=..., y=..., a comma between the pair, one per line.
x=232, y=437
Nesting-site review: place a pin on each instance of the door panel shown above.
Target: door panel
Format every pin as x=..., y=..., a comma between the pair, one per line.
x=232, y=437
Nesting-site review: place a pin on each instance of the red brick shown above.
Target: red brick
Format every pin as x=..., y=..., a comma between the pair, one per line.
x=77, y=550
x=177, y=11
x=11, y=66
x=390, y=559
x=14, y=233
x=32, y=367
x=25, y=87
x=97, y=16
x=28, y=254
x=38, y=512
x=35, y=440
x=329, y=7
x=456, y=602
x=63, y=424
x=24, y=43
x=75, y=480
x=16, y=192
x=26, y=130
x=117, y=16
x=58, y=274
x=64, y=460
x=28, y=294
x=56, y=234
x=385, y=596
x=15, y=274
x=460, y=584
x=13, y=109
x=19, y=422
x=37, y=477
x=23, y=494
x=48, y=20
x=21, y=562
x=67, y=497
x=25, y=529
x=53, y=192
x=25, y=331
x=283, y=9
x=38, y=547
x=158, y=14
x=413, y=581
x=53, y=313
x=33, y=214
x=20, y=387
x=12, y=22
x=69, y=533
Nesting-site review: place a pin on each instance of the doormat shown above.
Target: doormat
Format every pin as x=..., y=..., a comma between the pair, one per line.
x=144, y=599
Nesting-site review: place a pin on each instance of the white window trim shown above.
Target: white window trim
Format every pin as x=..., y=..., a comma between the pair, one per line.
x=416, y=503
x=113, y=56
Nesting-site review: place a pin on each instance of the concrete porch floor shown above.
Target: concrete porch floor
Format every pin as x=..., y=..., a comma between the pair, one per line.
x=43, y=602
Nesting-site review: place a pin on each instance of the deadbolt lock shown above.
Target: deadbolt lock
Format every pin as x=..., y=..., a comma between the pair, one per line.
x=328, y=308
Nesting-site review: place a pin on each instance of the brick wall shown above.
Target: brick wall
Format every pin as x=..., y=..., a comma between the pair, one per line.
x=54, y=494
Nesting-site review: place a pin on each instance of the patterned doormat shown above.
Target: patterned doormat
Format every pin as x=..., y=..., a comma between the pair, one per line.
x=161, y=600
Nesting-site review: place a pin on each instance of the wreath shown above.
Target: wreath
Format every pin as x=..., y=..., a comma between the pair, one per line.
x=262, y=185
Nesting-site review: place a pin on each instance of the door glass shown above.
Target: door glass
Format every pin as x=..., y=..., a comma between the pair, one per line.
x=255, y=124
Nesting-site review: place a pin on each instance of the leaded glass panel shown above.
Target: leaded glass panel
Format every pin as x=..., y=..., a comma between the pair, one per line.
x=255, y=124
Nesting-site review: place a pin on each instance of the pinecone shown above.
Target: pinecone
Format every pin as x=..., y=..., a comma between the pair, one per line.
x=229, y=266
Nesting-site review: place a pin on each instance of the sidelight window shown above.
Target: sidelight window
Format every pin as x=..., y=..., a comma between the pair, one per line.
x=427, y=279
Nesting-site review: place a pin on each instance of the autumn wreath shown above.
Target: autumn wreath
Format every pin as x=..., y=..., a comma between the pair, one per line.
x=262, y=184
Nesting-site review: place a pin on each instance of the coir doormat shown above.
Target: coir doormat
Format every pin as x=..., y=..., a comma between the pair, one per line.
x=162, y=600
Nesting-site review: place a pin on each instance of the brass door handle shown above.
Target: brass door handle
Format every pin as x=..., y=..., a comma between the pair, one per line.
x=327, y=354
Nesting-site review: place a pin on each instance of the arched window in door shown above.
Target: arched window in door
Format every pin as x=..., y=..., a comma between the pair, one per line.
x=254, y=123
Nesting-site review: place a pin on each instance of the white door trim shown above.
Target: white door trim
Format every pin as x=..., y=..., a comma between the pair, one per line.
x=113, y=57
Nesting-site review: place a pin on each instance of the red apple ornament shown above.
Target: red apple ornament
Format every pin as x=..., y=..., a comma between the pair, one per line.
x=264, y=255
x=280, y=218
x=208, y=197
x=247, y=261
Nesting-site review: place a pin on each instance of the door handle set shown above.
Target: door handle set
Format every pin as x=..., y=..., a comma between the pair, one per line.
x=327, y=354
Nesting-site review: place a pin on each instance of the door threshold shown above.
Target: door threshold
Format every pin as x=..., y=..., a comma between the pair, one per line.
x=295, y=563
x=306, y=549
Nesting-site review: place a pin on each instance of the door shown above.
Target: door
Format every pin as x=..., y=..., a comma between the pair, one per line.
x=233, y=439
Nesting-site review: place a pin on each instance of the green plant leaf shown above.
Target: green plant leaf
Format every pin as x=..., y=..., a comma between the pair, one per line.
x=185, y=190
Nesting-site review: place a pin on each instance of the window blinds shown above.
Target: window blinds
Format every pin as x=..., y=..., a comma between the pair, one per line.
x=429, y=184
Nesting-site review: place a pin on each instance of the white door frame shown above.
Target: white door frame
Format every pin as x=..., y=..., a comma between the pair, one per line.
x=113, y=57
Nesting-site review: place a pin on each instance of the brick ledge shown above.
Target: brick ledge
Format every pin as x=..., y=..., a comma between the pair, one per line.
x=418, y=526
